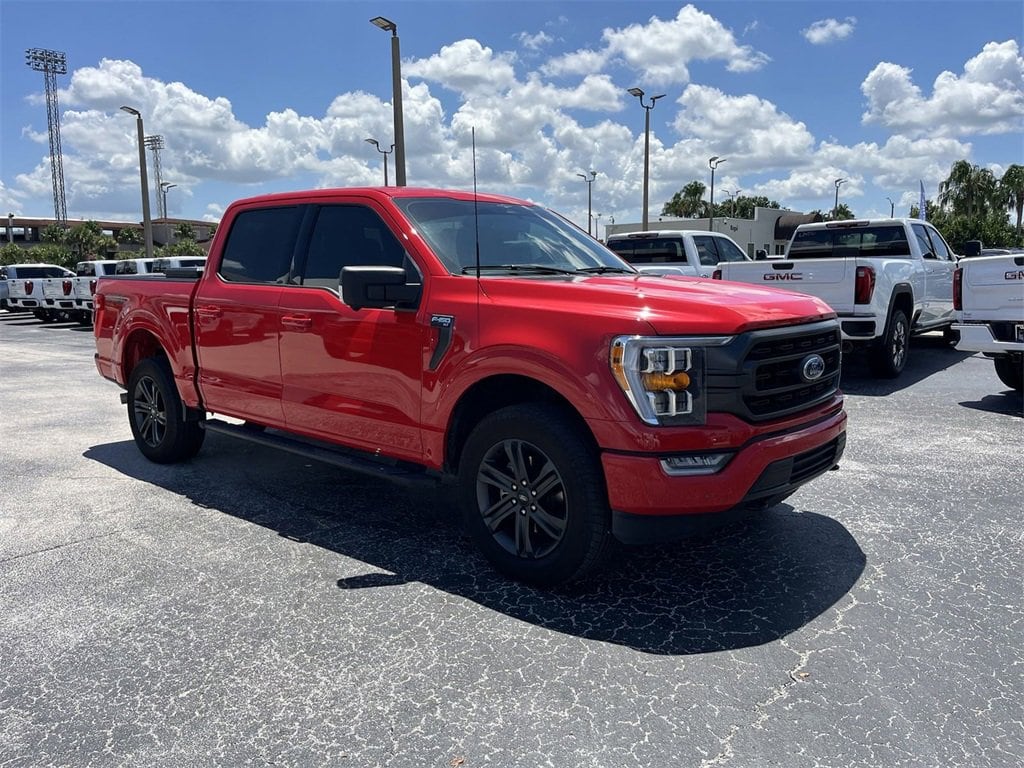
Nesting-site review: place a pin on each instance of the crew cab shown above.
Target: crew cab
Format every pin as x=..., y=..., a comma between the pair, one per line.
x=444, y=337
x=886, y=279
x=25, y=287
x=676, y=251
x=988, y=293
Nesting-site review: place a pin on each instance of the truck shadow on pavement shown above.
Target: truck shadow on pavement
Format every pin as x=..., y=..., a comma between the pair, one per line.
x=744, y=586
x=928, y=355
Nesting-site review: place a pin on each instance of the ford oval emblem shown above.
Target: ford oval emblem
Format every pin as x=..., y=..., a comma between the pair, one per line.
x=812, y=367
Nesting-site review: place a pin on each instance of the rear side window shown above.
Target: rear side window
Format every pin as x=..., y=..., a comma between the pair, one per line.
x=37, y=272
x=653, y=250
x=348, y=236
x=260, y=244
x=889, y=241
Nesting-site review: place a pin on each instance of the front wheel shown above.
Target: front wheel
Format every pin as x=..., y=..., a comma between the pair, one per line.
x=1010, y=370
x=156, y=415
x=533, y=495
x=889, y=358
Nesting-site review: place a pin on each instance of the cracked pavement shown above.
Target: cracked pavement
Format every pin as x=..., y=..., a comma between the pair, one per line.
x=250, y=607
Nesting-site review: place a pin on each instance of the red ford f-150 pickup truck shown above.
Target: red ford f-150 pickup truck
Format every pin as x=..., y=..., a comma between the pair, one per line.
x=478, y=339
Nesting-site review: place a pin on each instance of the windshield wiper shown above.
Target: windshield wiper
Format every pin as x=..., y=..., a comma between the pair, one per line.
x=607, y=270
x=536, y=269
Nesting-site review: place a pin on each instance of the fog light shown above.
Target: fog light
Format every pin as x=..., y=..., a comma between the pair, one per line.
x=695, y=464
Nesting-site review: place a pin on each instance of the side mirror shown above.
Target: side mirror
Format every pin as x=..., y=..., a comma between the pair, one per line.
x=972, y=248
x=760, y=254
x=378, y=287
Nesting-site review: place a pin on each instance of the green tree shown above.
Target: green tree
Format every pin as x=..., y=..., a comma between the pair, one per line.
x=687, y=202
x=55, y=234
x=841, y=213
x=1011, y=190
x=11, y=254
x=968, y=190
x=180, y=248
x=129, y=235
x=51, y=253
x=184, y=231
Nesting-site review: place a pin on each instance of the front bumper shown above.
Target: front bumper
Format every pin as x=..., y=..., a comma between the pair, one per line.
x=649, y=505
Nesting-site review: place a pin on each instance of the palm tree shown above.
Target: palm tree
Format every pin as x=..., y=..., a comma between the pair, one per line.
x=687, y=202
x=1011, y=190
x=968, y=190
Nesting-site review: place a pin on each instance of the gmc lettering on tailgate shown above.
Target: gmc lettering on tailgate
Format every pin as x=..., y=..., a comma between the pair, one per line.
x=1018, y=275
x=785, y=276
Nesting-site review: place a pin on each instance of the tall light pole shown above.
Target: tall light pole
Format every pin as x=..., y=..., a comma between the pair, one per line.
x=647, y=141
x=892, y=208
x=147, y=223
x=732, y=200
x=396, y=88
x=713, y=163
x=164, y=186
x=384, y=152
x=590, y=182
x=51, y=64
x=835, y=209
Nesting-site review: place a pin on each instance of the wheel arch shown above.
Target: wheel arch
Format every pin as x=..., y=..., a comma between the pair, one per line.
x=140, y=344
x=494, y=393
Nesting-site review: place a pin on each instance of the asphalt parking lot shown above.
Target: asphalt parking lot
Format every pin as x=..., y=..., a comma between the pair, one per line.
x=251, y=608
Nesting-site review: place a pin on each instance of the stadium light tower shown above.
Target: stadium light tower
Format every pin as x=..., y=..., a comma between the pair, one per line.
x=155, y=144
x=51, y=64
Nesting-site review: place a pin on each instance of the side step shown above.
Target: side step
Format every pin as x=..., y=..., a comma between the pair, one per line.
x=386, y=469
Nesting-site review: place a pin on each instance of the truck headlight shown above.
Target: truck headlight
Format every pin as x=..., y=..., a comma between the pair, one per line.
x=664, y=377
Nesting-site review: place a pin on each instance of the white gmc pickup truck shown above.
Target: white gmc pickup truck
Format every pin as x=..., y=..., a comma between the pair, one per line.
x=886, y=279
x=988, y=293
x=692, y=252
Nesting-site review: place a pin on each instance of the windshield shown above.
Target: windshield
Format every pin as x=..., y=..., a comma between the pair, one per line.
x=524, y=238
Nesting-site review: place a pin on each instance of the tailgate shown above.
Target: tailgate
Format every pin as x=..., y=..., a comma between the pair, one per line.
x=993, y=288
x=831, y=280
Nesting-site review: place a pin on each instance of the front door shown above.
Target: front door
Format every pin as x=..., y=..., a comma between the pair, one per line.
x=352, y=377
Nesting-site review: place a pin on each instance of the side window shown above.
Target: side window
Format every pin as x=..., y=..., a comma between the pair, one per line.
x=706, y=251
x=348, y=236
x=260, y=244
x=939, y=245
x=729, y=251
x=922, y=241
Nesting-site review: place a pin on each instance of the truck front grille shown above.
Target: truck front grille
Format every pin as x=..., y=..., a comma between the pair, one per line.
x=776, y=372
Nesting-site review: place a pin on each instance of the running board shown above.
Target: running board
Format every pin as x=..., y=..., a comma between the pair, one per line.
x=386, y=469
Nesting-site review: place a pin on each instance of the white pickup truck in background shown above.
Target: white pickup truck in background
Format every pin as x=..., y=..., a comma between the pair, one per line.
x=25, y=287
x=988, y=293
x=691, y=252
x=86, y=275
x=886, y=279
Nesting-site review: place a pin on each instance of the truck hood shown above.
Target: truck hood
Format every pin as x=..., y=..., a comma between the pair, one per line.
x=671, y=305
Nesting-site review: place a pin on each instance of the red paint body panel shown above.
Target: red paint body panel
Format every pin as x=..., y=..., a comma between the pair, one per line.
x=300, y=359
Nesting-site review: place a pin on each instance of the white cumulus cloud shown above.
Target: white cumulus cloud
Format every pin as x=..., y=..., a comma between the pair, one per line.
x=829, y=30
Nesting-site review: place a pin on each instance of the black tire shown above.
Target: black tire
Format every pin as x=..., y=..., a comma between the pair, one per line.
x=555, y=527
x=156, y=415
x=44, y=315
x=889, y=357
x=1010, y=370
x=951, y=336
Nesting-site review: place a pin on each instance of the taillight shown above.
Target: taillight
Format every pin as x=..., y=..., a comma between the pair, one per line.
x=716, y=275
x=28, y=287
x=864, y=288
x=958, y=288
x=92, y=286
x=99, y=303
x=68, y=286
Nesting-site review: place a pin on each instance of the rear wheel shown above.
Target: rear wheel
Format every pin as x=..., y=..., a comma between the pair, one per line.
x=890, y=356
x=156, y=415
x=44, y=315
x=533, y=495
x=1010, y=370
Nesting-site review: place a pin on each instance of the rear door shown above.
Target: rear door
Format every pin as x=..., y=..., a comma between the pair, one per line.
x=351, y=376
x=237, y=317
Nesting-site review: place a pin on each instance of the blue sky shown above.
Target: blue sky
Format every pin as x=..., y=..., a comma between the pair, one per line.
x=271, y=95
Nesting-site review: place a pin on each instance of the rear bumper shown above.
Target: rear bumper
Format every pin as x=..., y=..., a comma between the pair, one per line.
x=648, y=505
x=979, y=338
